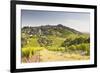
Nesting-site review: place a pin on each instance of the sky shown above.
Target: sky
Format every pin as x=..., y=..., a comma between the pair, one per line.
x=79, y=21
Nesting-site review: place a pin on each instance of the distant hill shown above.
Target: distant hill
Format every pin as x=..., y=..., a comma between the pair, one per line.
x=57, y=30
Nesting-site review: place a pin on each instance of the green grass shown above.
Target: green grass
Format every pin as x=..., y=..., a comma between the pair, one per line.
x=56, y=40
x=32, y=42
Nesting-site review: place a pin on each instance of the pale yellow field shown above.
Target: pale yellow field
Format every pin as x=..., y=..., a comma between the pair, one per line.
x=58, y=56
x=49, y=56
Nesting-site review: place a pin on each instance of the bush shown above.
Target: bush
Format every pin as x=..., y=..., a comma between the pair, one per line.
x=72, y=48
x=84, y=47
x=78, y=40
x=23, y=42
x=25, y=52
x=52, y=48
x=61, y=49
x=29, y=51
x=44, y=41
x=66, y=42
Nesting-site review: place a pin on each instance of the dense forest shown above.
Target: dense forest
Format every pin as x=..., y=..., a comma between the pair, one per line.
x=53, y=43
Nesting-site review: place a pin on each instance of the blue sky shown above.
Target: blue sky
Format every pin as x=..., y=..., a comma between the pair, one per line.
x=75, y=20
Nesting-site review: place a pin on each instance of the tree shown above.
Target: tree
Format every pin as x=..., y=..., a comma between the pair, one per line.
x=44, y=41
x=66, y=42
x=78, y=40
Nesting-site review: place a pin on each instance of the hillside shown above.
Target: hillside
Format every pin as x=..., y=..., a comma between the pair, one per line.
x=53, y=43
x=57, y=30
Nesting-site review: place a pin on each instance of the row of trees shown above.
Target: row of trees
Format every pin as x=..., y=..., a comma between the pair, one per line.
x=76, y=41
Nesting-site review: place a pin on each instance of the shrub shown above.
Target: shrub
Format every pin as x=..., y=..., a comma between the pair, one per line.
x=62, y=49
x=78, y=40
x=29, y=51
x=44, y=41
x=72, y=48
x=25, y=52
x=84, y=47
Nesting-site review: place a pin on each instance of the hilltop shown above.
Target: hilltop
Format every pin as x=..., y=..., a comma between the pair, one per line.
x=57, y=30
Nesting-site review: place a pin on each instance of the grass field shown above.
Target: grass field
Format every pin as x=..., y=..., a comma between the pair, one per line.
x=48, y=56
